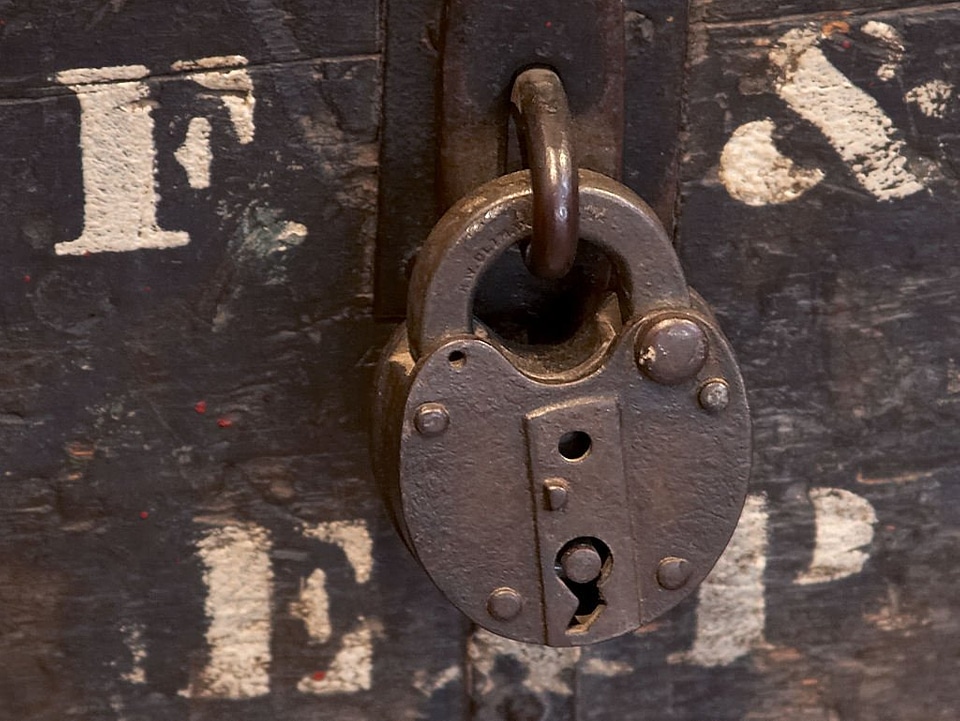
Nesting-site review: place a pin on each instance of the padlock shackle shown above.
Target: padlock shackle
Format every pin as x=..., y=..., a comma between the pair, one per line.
x=480, y=227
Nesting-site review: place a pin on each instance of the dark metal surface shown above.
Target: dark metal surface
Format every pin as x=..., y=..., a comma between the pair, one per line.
x=470, y=238
x=545, y=127
x=552, y=462
x=485, y=46
x=496, y=41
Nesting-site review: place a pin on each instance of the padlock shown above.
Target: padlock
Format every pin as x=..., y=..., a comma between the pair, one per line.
x=555, y=496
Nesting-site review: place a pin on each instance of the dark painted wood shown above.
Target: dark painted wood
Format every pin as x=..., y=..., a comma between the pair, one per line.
x=842, y=308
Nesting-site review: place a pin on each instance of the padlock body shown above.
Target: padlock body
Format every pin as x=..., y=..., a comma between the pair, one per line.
x=491, y=496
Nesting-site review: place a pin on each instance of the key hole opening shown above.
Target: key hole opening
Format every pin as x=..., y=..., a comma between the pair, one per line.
x=575, y=445
x=577, y=559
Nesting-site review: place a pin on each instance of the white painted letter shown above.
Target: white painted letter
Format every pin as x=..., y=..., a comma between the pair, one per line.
x=239, y=580
x=119, y=155
x=732, y=609
x=754, y=172
x=844, y=526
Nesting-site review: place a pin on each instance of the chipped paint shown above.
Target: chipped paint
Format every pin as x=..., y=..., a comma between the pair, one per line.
x=195, y=155
x=731, y=612
x=313, y=607
x=119, y=158
x=892, y=43
x=239, y=584
x=353, y=537
x=754, y=172
x=428, y=684
x=607, y=669
x=352, y=668
x=546, y=670
x=852, y=121
x=931, y=98
x=214, y=62
x=234, y=88
x=96, y=76
x=845, y=526
x=133, y=640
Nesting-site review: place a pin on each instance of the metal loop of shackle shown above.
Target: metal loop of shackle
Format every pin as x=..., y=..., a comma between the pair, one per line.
x=547, y=131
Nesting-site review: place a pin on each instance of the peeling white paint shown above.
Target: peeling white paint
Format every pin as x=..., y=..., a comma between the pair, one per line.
x=195, y=155
x=845, y=525
x=119, y=158
x=352, y=668
x=353, y=537
x=291, y=234
x=234, y=88
x=94, y=76
x=607, y=669
x=754, y=172
x=313, y=607
x=732, y=609
x=931, y=98
x=133, y=640
x=214, y=62
x=428, y=684
x=548, y=670
x=851, y=120
x=892, y=43
x=118, y=149
x=239, y=580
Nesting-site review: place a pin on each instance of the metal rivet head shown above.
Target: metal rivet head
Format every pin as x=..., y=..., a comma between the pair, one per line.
x=672, y=351
x=556, y=491
x=674, y=573
x=714, y=395
x=431, y=419
x=581, y=563
x=504, y=604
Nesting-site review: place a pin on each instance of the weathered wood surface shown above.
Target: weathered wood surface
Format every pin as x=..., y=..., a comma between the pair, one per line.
x=186, y=499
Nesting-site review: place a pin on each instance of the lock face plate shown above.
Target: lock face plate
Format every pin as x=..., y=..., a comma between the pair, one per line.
x=572, y=507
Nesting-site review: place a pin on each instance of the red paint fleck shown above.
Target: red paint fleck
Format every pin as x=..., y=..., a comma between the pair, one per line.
x=224, y=422
x=548, y=24
x=200, y=407
x=27, y=279
x=144, y=515
x=319, y=675
x=846, y=44
x=147, y=289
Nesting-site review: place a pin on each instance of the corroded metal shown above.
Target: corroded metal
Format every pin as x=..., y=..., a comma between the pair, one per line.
x=559, y=459
x=547, y=131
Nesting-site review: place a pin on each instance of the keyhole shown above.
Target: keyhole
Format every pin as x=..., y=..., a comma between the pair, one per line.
x=583, y=565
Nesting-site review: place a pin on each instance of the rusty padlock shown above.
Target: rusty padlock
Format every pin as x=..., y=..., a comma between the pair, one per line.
x=561, y=496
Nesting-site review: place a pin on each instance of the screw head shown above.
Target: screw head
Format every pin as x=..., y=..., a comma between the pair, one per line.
x=504, y=604
x=431, y=419
x=672, y=351
x=556, y=491
x=714, y=395
x=581, y=563
x=674, y=573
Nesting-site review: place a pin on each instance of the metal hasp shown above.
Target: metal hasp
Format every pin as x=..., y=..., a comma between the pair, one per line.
x=486, y=45
x=562, y=494
x=449, y=69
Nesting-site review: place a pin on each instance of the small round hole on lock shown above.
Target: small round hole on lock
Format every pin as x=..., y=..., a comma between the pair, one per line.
x=457, y=359
x=575, y=445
